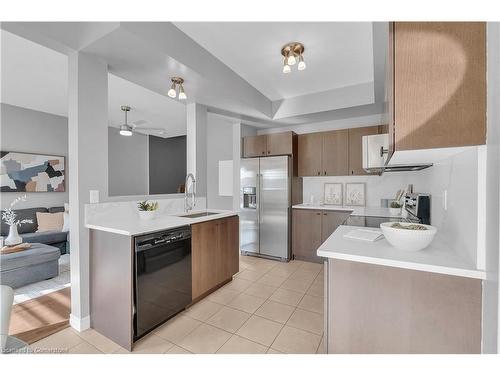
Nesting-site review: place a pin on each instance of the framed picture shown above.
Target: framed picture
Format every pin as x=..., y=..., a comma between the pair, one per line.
x=333, y=194
x=24, y=172
x=355, y=194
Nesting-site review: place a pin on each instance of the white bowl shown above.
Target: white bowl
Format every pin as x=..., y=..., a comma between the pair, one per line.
x=407, y=239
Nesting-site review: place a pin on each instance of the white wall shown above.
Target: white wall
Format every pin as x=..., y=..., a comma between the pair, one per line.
x=128, y=163
x=26, y=130
x=219, y=147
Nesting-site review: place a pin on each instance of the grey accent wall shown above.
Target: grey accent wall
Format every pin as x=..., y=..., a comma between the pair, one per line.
x=219, y=147
x=167, y=164
x=128, y=163
x=26, y=130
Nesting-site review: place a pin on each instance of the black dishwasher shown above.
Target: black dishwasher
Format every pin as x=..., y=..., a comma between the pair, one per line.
x=162, y=283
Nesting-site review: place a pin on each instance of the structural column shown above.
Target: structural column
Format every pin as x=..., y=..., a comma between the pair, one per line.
x=196, y=145
x=88, y=167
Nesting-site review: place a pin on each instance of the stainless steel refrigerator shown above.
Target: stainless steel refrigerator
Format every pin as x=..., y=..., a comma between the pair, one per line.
x=265, y=206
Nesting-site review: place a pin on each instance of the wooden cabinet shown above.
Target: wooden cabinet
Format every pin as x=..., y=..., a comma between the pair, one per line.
x=437, y=85
x=214, y=254
x=335, y=153
x=311, y=228
x=269, y=144
x=310, y=149
x=356, y=148
x=255, y=145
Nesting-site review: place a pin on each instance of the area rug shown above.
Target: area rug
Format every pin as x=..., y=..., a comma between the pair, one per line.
x=40, y=317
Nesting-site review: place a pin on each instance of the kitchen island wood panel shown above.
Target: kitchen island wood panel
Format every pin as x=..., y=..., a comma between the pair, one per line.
x=379, y=309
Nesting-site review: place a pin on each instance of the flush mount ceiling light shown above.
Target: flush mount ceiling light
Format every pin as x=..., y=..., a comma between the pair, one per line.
x=291, y=53
x=177, y=81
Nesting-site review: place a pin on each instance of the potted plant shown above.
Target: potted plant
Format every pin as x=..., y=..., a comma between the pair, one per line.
x=147, y=210
x=10, y=218
x=395, y=208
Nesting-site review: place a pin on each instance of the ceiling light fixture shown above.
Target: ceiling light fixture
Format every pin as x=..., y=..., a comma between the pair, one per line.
x=177, y=81
x=125, y=129
x=292, y=51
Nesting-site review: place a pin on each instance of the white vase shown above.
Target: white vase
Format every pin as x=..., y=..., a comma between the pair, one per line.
x=395, y=211
x=13, y=238
x=147, y=215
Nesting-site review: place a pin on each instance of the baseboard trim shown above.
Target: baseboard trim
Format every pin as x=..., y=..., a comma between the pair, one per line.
x=80, y=324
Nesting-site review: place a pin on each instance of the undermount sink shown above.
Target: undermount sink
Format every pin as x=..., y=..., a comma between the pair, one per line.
x=198, y=214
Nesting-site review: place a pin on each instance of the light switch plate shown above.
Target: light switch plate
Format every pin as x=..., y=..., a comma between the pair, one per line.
x=94, y=196
x=445, y=200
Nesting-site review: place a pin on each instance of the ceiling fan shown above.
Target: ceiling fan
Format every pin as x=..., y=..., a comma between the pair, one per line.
x=127, y=129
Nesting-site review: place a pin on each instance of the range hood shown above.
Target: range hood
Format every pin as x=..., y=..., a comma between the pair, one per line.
x=375, y=157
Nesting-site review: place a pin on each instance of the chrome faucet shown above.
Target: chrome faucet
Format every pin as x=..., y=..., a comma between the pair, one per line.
x=189, y=195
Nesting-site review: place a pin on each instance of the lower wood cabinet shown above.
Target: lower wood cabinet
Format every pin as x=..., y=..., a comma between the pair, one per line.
x=311, y=228
x=214, y=253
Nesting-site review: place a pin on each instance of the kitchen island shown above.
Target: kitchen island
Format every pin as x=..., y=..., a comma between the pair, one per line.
x=207, y=259
x=379, y=299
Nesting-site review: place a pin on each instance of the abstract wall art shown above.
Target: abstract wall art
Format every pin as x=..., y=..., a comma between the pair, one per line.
x=23, y=172
x=355, y=194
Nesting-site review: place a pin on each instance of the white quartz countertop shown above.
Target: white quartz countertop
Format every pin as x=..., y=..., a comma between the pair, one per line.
x=437, y=258
x=355, y=211
x=132, y=225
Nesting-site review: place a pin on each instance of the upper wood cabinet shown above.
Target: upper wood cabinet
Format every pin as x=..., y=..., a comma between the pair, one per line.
x=269, y=144
x=356, y=148
x=214, y=253
x=255, y=145
x=335, y=153
x=310, y=148
x=436, y=84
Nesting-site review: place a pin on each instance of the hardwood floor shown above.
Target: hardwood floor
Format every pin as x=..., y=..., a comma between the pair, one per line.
x=40, y=317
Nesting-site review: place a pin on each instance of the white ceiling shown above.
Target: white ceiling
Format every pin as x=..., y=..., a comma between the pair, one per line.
x=36, y=77
x=337, y=54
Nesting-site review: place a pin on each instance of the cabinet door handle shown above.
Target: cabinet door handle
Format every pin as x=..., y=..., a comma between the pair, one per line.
x=319, y=173
x=325, y=173
x=324, y=213
x=268, y=152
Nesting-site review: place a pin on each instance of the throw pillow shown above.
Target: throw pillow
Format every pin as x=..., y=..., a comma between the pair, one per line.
x=49, y=222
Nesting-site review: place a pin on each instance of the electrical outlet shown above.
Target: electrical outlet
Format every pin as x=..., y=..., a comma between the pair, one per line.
x=445, y=200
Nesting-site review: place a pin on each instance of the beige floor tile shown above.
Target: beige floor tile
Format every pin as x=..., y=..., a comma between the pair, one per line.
x=203, y=310
x=177, y=350
x=249, y=275
x=238, y=285
x=229, y=319
x=240, y=345
x=151, y=344
x=177, y=328
x=273, y=351
x=281, y=271
x=316, y=289
x=247, y=303
x=58, y=342
x=288, y=297
x=261, y=267
x=304, y=274
x=100, y=341
x=307, y=321
x=260, y=330
x=317, y=267
x=276, y=311
x=295, y=341
x=272, y=280
x=223, y=296
x=205, y=339
x=312, y=303
x=261, y=290
x=297, y=285
x=321, y=347
x=84, y=348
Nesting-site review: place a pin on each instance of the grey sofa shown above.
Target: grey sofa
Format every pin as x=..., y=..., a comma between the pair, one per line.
x=29, y=234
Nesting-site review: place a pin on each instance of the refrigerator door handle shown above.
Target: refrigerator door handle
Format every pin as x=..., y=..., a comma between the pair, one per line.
x=259, y=182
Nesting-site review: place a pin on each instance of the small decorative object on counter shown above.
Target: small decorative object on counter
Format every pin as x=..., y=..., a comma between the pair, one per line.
x=408, y=236
x=9, y=217
x=333, y=194
x=395, y=208
x=147, y=210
